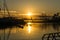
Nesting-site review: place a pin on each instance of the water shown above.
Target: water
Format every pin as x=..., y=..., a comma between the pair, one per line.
x=31, y=31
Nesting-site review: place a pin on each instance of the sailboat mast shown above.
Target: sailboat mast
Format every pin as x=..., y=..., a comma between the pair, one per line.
x=6, y=8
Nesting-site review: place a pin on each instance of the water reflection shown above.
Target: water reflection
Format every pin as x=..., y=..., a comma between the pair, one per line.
x=32, y=31
x=55, y=26
x=29, y=27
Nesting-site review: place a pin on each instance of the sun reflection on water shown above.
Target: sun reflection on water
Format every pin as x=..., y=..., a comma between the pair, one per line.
x=29, y=27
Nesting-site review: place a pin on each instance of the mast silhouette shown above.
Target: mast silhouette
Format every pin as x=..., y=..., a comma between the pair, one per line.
x=9, y=22
x=6, y=8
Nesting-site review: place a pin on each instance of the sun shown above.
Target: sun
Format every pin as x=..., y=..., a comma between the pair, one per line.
x=29, y=13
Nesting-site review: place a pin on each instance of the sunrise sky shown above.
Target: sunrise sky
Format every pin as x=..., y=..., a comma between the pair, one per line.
x=33, y=5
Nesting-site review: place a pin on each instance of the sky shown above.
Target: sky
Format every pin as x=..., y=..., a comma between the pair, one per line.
x=33, y=5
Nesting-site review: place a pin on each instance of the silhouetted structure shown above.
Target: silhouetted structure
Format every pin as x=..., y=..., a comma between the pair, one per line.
x=50, y=19
x=51, y=36
x=9, y=22
x=0, y=37
x=0, y=9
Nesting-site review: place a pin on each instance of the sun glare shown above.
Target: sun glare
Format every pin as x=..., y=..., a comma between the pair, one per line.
x=29, y=13
x=29, y=27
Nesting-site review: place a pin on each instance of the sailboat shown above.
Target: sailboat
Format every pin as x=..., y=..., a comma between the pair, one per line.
x=9, y=22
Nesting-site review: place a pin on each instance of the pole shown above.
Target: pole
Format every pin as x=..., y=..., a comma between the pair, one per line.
x=0, y=37
x=5, y=7
x=4, y=34
x=9, y=33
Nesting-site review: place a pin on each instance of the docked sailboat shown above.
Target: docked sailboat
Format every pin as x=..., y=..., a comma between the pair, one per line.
x=9, y=21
